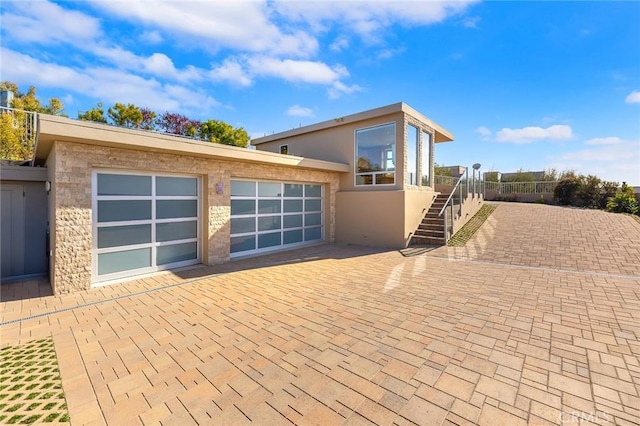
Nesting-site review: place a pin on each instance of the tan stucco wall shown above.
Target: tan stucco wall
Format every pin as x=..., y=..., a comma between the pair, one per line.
x=71, y=165
x=337, y=144
x=381, y=218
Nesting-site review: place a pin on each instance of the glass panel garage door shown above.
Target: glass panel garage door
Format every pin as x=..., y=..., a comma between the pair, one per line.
x=143, y=223
x=270, y=215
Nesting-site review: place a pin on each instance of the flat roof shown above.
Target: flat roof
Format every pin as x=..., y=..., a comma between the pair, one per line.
x=442, y=135
x=53, y=128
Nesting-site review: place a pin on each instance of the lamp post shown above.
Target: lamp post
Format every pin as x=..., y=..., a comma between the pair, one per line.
x=476, y=166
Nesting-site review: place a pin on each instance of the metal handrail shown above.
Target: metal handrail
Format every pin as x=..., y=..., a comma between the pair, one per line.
x=25, y=126
x=449, y=201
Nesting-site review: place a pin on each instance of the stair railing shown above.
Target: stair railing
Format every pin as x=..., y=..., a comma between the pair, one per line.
x=450, y=203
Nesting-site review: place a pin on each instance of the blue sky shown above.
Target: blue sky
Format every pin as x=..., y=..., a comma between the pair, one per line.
x=531, y=85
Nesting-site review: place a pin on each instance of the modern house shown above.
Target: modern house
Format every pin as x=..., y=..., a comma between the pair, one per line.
x=123, y=203
x=389, y=185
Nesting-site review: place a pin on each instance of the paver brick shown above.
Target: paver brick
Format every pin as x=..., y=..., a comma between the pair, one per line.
x=522, y=326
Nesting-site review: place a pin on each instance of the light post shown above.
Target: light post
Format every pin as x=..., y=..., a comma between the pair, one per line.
x=476, y=166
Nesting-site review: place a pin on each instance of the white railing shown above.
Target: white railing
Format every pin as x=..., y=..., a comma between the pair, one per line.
x=23, y=124
x=540, y=187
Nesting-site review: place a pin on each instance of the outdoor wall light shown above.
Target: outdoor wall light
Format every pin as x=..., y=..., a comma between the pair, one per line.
x=47, y=186
x=219, y=188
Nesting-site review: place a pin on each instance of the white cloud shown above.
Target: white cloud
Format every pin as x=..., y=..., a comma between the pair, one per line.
x=152, y=37
x=484, y=133
x=617, y=162
x=297, y=71
x=47, y=23
x=339, y=44
x=239, y=24
x=107, y=84
x=612, y=140
x=633, y=97
x=232, y=71
x=368, y=17
x=531, y=134
x=338, y=89
x=470, y=21
x=299, y=111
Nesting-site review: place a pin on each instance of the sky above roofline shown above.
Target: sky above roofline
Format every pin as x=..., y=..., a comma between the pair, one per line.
x=522, y=85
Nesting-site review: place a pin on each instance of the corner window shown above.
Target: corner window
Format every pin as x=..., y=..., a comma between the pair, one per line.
x=375, y=155
x=412, y=155
x=426, y=159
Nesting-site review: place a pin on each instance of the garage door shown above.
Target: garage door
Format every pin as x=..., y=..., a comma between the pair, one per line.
x=269, y=216
x=144, y=223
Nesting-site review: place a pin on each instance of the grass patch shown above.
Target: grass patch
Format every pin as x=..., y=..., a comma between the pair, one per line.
x=465, y=233
x=51, y=417
x=31, y=385
x=15, y=419
x=31, y=419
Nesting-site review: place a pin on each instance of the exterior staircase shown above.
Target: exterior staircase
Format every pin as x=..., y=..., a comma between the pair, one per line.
x=430, y=232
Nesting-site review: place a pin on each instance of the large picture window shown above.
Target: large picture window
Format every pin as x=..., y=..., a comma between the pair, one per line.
x=143, y=223
x=375, y=155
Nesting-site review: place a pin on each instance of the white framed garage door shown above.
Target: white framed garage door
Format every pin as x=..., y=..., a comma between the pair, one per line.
x=268, y=216
x=144, y=223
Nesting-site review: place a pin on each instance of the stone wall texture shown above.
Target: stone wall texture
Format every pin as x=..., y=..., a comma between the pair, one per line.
x=72, y=164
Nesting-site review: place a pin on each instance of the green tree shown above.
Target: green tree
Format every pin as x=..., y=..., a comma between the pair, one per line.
x=520, y=176
x=95, y=114
x=220, y=132
x=589, y=192
x=565, y=192
x=15, y=143
x=123, y=115
x=17, y=126
x=622, y=202
x=442, y=170
x=29, y=101
x=148, y=119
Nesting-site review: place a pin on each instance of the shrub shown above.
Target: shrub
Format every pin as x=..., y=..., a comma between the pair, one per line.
x=622, y=202
x=609, y=189
x=565, y=192
x=589, y=192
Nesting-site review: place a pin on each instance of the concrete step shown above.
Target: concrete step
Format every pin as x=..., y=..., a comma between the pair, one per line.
x=427, y=241
x=431, y=226
x=430, y=233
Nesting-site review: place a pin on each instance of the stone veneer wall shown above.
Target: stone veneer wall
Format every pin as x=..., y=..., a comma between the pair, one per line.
x=72, y=164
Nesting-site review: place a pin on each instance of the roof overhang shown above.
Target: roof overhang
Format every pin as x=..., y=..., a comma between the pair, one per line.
x=54, y=128
x=441, y=134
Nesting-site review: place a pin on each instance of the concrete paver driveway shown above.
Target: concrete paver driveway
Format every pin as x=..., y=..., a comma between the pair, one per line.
x=535, y=321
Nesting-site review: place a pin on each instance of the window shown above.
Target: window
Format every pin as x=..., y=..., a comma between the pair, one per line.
x=375, y=155
x=412, y=155
x=425, y=165
x=284, y=149
x=143, y=223
x=269, y=215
